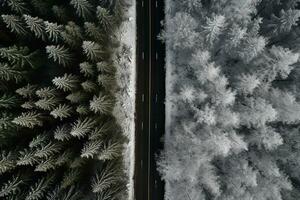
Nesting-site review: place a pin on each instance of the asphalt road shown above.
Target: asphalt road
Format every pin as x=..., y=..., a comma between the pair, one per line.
x=150, y=98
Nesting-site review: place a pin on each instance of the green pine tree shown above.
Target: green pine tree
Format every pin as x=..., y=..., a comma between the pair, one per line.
x=92, y=50
x=15, y=24
x=62, y=133
x=11, y=186
x=36, y=25
x=29, y=119
x=68, y=82
x=38, y=190
x=82, y=126
x=83, y=8
x=62, y=111
x=59, y=54
x=102, y=104
x=91, y=148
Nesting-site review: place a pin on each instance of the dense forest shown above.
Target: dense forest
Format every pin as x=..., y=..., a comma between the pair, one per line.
x=233, y=100
x=58, y=137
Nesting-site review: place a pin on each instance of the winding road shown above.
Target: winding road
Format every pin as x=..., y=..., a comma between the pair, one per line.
x=150, y=99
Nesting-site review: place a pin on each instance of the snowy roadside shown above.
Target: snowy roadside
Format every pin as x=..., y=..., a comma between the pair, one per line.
x=125, y=95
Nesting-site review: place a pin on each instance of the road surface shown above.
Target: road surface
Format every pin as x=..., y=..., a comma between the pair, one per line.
x=150, y=98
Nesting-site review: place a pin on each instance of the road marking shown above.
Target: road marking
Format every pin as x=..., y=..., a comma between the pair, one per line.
x=142, y=3
x=156, y=56
x=150, y=97
x=142, y=126
x=143, y=97
x=143, y=56
x=156, y=98
x=141, y=163
x=155, y=183
x=156, y=4
x=155, y=126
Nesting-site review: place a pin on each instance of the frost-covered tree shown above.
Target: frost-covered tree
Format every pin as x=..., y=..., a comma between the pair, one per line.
x=233, y=104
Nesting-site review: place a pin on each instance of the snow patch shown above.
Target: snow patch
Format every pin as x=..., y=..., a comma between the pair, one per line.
x=126, y=79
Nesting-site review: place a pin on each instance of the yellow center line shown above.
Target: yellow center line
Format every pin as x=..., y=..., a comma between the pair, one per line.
x=149, y=135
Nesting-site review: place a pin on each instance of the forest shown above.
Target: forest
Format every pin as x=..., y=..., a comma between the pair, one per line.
x=233, y=100
x=59, y=138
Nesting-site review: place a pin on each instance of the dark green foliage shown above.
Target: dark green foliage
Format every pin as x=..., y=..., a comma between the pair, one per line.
x=56, y=131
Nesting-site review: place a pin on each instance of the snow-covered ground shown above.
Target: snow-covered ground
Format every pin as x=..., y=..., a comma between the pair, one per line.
x=125, y=95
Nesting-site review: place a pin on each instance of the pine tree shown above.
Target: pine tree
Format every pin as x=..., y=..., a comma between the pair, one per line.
x=47, y=92
x=45, y=151
x=102, y=104
x=89, y=86
x=72, y=193
x=284, y=22
x=36, y=25
x=111, y=193
x=82, y=110
x=83, y=8
x=38, y=190
x=92, y=50
x=46, y=165
x=8, y=73
x=47, y=103
x=62, y=111
x=107, y=178
x=41, y=7
x=93, y=31
x=60, y=13
x=213, y=28
x=19, y=56
x=7, y=161
x=70, y=177
x=82, y=126
x=91, y=148
x=28, y=105
x=105, y=19
x=106, y=81
x=64, y=158
x=53, y=31
x=11, y=186
x=18, y=6
x=15, y=24
x=29, y=119
x=59, y=54
x=247, y=83
x=27, y=157
x=5, y=121
x=27, y=91
x=101, y=131
x=39, y=140
x=8, y=101
x=68, y=82
x=105, y=67
x=110, y=151
x=87, y=69
x=77, y=163
x=77, y=97
x=62, y=133
x=72, y=35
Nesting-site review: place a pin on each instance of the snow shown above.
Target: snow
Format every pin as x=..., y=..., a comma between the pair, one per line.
x=125, y=106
